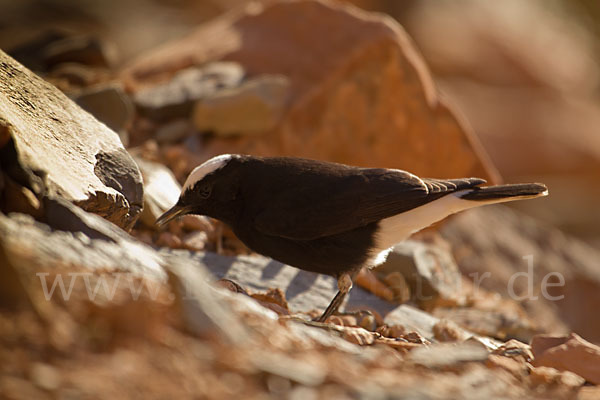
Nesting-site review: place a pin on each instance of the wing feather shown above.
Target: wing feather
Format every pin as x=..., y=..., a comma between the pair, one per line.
x=304, y=213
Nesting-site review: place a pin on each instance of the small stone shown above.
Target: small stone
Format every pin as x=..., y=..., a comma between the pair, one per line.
x=516, y=368
x=397, y=284
x=571, y=380
x=506, y=320
x=358, y=336
x=335, y=320
x=192, y=222
x=429, y=270
x=414, y=337
x=348, y=320
x=231, y=286
x=412, y=319
x=161, y=190
x=17, y=198
x=167, y=239
x=589, y=393
x=368, y=322
x=393, y=331
x=448, y=354
x=82, y=49
x=174, y=131
x=448, y=331
x=206, y=311
x=176, y=97
x=302, y=372
x=195, y=241
x=78, y=75
x=110, y=105
x=45, y=376
x=273, y=295
x=367, y=280
x=544, y=375
x=254, y=107
x=515, y=349
x=31, y=52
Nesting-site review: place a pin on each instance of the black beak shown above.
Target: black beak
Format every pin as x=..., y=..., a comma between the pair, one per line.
x=171, y=214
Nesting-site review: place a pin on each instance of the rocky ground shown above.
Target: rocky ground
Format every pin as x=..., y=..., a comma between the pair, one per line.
x=96, y=302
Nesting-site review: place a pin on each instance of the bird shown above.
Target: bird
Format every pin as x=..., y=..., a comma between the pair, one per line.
x=326, y=217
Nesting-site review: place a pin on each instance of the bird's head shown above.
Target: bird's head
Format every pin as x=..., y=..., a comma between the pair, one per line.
x=210, y=189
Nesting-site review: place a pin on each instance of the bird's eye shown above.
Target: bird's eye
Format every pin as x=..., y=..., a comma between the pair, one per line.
x=205, y=191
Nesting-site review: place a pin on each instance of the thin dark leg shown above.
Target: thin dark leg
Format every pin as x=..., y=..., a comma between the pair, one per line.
x=333, y=306
x=344, y=285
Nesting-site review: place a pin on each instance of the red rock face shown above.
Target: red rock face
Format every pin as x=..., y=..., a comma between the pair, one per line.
x=359, y=91
x=568, y=353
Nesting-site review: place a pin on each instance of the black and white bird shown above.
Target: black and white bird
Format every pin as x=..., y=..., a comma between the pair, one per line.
x=325, y=217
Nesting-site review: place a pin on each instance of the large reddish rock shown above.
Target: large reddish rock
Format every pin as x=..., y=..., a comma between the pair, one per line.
x=359, y=90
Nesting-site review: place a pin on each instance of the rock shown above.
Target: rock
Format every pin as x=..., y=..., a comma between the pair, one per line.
x=170, y=240
x=76, y=75
x=407, y=318
x=430, y=272
x=396, y=282
x=359, y=336
x=550, y=376
x=17, y=198
x=447, y=355
x=368, y=281
x=298, y=371
x=515, y=349
x=554, y=277
x=45, y=376
x=87, y=50
x=174, y=131
x=73, y=237
x=588, y=393
x=501, y=323
x=202, y=306
x=254, y=107
x=31, y=52
x=448, y=331
x=195, y=241
x=79, y=246
x=192, y=222
x=304, y=291
x=275, y=296
x=57, y=149
x=161, y=190
x=110, y=105
x=176, y=97
x=567, y=353
x=518, y=369
x=369, y=66
x=412, y=319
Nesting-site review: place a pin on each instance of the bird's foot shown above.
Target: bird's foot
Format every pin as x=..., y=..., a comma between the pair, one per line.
x=344, y=285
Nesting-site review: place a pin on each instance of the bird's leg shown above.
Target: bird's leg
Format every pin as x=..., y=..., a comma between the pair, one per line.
x=344, y=286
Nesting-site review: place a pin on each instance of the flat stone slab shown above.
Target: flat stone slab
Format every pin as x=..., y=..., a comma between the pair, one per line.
x=304, y=290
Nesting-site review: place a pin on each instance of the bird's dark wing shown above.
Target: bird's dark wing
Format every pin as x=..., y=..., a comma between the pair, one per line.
x=354, y=198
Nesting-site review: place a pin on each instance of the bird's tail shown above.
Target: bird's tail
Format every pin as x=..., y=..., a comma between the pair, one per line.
x=501, y=193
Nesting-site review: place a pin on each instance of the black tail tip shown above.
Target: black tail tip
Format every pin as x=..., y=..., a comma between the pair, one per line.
x=519, y=190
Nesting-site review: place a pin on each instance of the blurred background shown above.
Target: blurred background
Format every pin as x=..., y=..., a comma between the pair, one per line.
x=503, y=90
x=523, y=74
